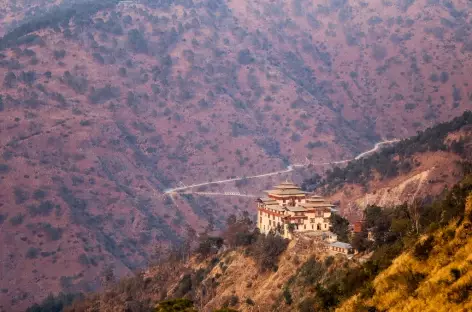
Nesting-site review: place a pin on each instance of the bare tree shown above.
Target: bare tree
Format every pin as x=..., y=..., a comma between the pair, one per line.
x=415, y=210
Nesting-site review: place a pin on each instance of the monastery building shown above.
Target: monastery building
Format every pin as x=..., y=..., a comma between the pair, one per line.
x=287, y=210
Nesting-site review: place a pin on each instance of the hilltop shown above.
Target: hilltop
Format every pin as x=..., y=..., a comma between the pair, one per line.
x=104, y=105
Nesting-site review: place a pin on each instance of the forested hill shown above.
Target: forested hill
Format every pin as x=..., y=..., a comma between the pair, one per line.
x=454, y=136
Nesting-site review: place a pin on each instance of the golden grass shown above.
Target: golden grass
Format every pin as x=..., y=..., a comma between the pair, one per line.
x=443, y=282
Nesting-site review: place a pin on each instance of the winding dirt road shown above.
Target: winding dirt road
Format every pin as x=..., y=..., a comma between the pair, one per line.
x=290, y=168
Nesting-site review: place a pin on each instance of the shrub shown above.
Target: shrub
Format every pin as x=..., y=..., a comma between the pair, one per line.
x=137, y=42
x=444, y=77
x=233, y=300
x=28, y=77
x=52, y=233
x=55, y=303
x=209, y=245
x=10, y=80
x=59, y=54
x=410, y=106
x=307, y=305
x=20, y=195
x=85, y=123
x=312, y=145
x=32, y=253
x=101, y=95
x=379, y=52
x=245, y=57
x=122, y=72
x=17, y=220
x=83, y=259
x=43, y=209
x=455, y=273
x=311, y=272
x=287, y=296
x=175, y=305
x=78, y=84
x=98, y=57
x=39, y=194
x=423, y=248
x=185, y=286
x=239, y=231
x=4, y=168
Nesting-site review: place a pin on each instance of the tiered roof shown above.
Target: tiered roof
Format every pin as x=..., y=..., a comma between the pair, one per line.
x=286, y=189
x=316, y=202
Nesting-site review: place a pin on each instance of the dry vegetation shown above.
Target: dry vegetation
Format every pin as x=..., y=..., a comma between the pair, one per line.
x=101, y=111
x=435, y=278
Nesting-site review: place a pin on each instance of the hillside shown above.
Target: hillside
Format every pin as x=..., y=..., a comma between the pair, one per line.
x=411, y=265
x=435, y=277
x=419, y=167
x=104, y=105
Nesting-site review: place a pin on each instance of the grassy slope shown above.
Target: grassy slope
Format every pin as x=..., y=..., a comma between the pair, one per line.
x=440, y=289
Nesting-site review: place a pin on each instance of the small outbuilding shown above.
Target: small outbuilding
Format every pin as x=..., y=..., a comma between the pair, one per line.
x=340, y=247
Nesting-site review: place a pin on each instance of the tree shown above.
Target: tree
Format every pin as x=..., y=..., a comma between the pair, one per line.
x=340, y=227
x=245, y=57
x=175, y=305
x=190, y=238
x=137, y=42
x=267, y=249
x=10, y=80
x=55, y=303
x=415, y=210
x=209, y=244
x=359, y=242
x=239, y=230
x=108, y=275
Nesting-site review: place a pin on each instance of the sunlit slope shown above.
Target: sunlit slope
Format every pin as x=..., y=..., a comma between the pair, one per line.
x=438, y=280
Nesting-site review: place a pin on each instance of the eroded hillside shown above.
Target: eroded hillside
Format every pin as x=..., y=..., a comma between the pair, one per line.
x=103, y=109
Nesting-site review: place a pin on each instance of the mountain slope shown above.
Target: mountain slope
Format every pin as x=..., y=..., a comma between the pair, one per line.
x=439, y=280
x=104, y=109
x=403, y=270
x=419, y=167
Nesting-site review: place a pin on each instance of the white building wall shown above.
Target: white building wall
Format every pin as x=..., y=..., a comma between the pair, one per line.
x=268, y=222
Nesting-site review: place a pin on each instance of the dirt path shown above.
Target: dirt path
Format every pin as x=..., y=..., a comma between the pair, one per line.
x=290, y=168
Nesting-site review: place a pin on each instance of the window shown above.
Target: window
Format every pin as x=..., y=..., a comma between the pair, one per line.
x=304, y=227
x=326, y=225
x=312, y=220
